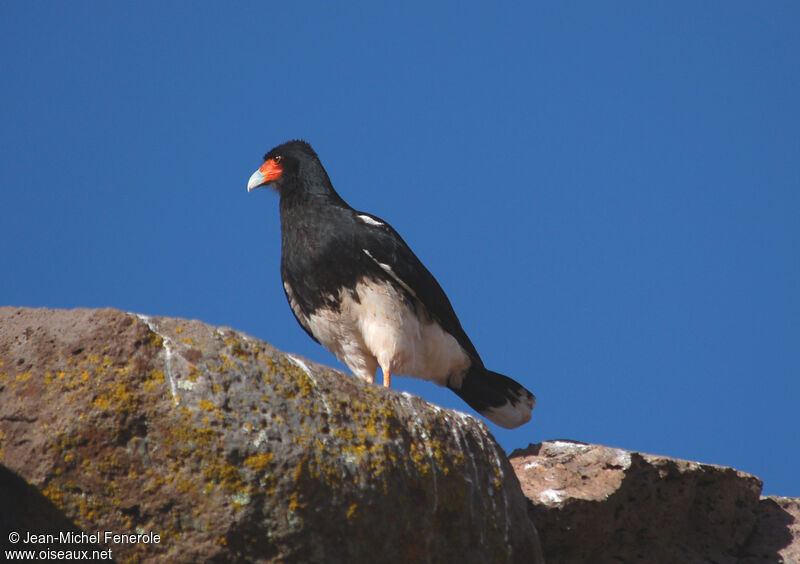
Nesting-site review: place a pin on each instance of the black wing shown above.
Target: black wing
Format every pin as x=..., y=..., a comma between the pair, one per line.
x=390, y=255
x=302, y=320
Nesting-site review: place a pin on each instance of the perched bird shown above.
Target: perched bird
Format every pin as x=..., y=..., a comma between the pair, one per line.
x=357, y=288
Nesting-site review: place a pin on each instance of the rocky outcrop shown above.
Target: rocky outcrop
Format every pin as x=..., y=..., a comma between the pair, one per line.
x=230, y=450
x=776, y=537
x=597, y=504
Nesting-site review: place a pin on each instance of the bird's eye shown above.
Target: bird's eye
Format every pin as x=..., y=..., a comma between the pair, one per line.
x=277, y=159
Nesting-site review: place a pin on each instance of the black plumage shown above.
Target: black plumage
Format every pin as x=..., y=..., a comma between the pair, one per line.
x=356, y=287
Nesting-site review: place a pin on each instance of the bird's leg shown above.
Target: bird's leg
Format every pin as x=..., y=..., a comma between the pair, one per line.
x=387, y=378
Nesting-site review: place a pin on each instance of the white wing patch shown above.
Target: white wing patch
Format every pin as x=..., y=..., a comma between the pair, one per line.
x=368, y=220
x=390, y=272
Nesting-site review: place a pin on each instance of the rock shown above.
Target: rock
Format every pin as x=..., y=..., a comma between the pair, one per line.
x=25, y=509
x=230, y=450
x=776, y=537
x=598, y=504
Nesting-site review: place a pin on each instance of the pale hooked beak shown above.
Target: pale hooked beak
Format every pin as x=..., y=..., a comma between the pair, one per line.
x=256, y=180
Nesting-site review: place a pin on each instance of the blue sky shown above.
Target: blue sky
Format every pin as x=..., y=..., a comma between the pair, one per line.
x=608, y=192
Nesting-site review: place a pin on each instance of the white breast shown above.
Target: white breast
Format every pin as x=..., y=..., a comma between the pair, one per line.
x=380, y=328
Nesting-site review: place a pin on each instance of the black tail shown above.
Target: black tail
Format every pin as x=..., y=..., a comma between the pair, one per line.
x=498, y=398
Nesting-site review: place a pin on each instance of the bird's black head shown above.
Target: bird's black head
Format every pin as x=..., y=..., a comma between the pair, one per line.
x=292, y=168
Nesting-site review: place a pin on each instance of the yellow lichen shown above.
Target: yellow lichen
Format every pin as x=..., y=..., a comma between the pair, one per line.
x=259, y=462
x=294, y=503
x=54, y=494
x=155, y=339
x=153, y=380
x=205, y=405
x=185, y=484
x=117, y=397
x=188, y=437
x=224, y=475
x=227, y=362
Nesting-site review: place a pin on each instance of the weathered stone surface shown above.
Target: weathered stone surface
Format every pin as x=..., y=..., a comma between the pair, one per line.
x=230, y=450
x=24, y=509
x=598, y=504
x=776, y=537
